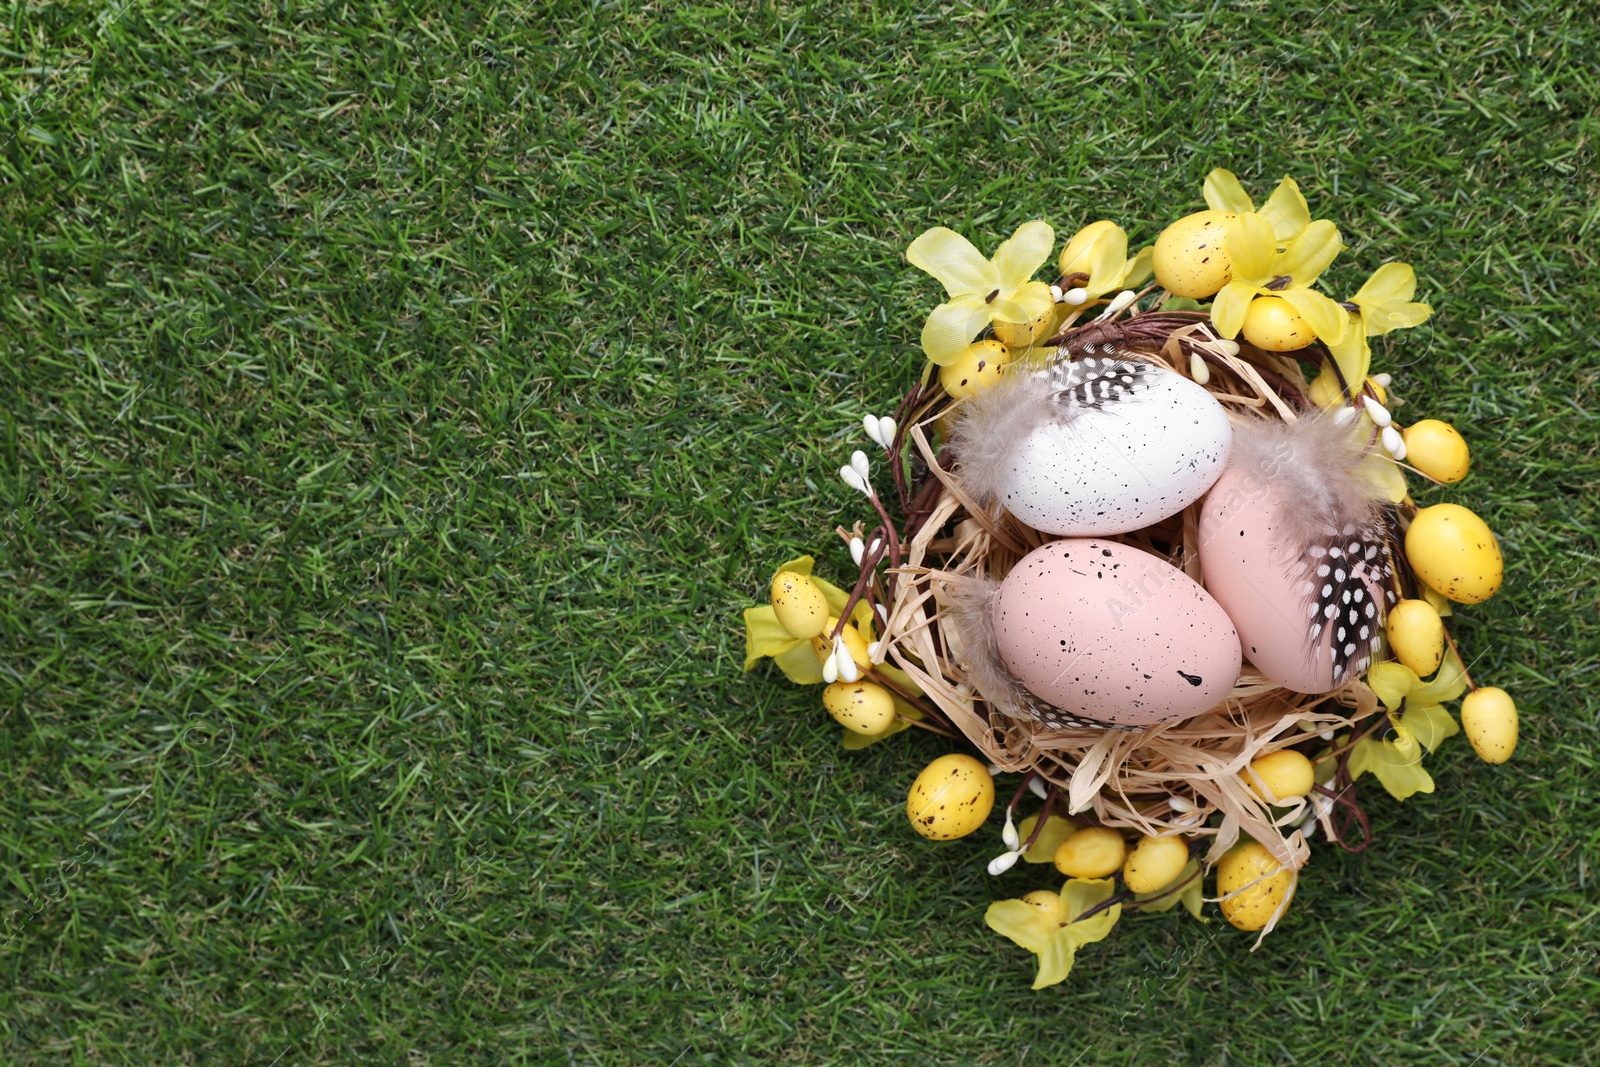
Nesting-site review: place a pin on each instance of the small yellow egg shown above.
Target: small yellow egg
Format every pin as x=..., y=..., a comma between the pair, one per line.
x=1253, y=908
x=801, y=608
x=862, y=707
x=977, y=368
x=1416, y=636
x=950, y=798
x=1452, y=550
x=1093, y=852
x=1378, y=390
x=1489, y=718
x=1437, y=450
x=1046, y=901
x=854, y=643
x=1154, y=863
x=1023, y=334
x=1286, y=774
x=1190, y=256
x=1272, y=323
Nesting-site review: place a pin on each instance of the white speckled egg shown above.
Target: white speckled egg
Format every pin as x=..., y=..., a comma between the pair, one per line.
x=1130, y=443
x=1107, y=632
x=1309, y=616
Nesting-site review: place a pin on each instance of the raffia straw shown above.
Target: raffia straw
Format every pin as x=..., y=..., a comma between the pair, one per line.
x=1117, y=778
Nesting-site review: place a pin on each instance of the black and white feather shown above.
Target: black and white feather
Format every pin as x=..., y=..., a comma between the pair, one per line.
x=1103, y=444
x=1340, y=532
x=993, y=426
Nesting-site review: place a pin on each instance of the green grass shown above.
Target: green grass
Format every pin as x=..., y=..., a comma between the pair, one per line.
x=400, y=402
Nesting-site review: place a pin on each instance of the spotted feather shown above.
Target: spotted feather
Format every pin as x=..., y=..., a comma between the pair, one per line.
x=1340, y=571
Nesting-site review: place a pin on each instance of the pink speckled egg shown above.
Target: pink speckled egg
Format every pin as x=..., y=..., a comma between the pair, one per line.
x=1109, y=633
x=1308, y=614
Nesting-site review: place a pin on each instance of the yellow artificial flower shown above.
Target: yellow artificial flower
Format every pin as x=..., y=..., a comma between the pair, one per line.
x=1100, y=250
x=764, y=638
x=1422, y=724
x=1382, y=304
x=982, y=291
x=1286, y=210
x=1260, y=269
x=1056, y=938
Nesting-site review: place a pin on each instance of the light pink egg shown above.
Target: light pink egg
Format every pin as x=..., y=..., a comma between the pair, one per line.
x=1107, y=632
x=1308, y=612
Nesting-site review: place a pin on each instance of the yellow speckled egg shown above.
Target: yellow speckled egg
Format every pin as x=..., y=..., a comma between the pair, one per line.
x=1437, y=450
x=801, y=608
x=862, y=707
x=1154, y=863
x=1286, y=774
x=1046, y=901
x=1093, y=852
x=1190, y=258
x=854, y=643
x=1272, y=323
x=1253, y=908
x=1452, y=550
x=1416, y=636
x=977, y=368
x=950, y=798
x=1489, y=718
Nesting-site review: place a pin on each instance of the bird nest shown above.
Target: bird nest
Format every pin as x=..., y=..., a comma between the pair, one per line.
x=1167, y=778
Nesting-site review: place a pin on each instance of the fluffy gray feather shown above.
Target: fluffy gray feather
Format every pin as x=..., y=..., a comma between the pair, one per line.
x=1318, y=461
x=990, y=428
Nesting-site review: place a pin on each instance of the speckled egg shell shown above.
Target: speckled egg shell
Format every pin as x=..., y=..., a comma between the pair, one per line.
x=1134, y=443
x=1292, y=603
x=1108, y=632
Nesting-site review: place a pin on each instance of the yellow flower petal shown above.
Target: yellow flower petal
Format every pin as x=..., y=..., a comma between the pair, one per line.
x=1019, y=258
x=1139, y=268
x=1078, y=256
x=1251, y=249
x=1353, y=355
x=1328, y=320
x=1081, y=894
x=1108, y=262
x=1388, y=317
x=1025, y=305
x=1430, y=724
x=799, y=664
x=1449, y=682
x=1392, y=681
x=1383, y=476
x=800, y=565
x=763, y=636
x=951, y=327
x=1287, y=211
x=1309, y=254
x=1028, y=926
x=1228, y=308
x=1401, y=773
x=958, y=266
x=1390, y=283
x=1224, y=193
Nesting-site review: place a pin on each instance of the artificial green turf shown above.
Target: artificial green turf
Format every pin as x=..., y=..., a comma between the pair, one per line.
x=400, y=403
